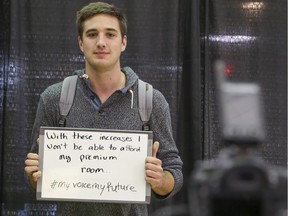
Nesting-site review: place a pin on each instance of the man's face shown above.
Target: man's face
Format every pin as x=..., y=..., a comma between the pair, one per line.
x=102, y=42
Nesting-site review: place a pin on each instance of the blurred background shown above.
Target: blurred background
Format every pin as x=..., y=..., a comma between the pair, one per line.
x=171, y=44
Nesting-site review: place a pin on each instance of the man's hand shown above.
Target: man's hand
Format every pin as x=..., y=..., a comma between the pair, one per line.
x=32, y=168
x=161, y=181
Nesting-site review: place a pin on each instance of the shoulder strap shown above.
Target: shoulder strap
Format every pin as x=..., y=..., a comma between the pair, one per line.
x=145, y=100
x=67, y=97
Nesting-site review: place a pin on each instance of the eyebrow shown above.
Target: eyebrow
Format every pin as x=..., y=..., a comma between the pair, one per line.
x=107, y=29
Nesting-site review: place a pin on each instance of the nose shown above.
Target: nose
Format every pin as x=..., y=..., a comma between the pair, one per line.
x=101, y=42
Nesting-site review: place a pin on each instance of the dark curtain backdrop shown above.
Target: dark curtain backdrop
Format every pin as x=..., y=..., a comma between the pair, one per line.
x=172, y=44
x=251, y=37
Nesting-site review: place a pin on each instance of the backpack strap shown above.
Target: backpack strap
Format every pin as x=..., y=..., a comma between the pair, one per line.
x=145, y=102
x=67, y=97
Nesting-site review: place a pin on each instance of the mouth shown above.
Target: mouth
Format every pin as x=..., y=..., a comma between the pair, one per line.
x=101, y=54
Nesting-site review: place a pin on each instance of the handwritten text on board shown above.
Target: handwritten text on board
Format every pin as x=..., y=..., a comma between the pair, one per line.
x=93, y=165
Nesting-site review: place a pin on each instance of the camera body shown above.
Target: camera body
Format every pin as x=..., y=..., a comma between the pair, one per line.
x=238, y=182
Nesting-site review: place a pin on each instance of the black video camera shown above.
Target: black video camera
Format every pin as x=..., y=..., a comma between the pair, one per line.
x=238, y=182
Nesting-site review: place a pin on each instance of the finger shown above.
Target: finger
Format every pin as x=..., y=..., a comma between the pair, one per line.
x=31, y=169
x=153, y=181
x=36, y=175
x=30, y=162
x=152, y=161
x=153, y=170
x=154, y=173
x=155, y=149
x=32, y=156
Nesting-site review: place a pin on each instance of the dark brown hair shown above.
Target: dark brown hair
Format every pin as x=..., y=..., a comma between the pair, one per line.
x=95, y=8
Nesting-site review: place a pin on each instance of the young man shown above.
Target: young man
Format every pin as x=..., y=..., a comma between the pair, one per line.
x=104, y=99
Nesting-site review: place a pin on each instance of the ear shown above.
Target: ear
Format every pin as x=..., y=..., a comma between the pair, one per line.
x=124, y=43
x=80, y=42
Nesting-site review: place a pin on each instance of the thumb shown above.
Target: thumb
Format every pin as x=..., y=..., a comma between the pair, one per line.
x=155, y=148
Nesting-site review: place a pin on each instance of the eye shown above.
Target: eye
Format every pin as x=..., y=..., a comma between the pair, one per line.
x=110, y=35
x=92, y=34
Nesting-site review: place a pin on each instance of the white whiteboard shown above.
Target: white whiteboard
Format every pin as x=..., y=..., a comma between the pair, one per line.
x=90, y=165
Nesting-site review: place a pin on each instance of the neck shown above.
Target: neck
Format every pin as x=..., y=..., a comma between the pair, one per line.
x=105, y=83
